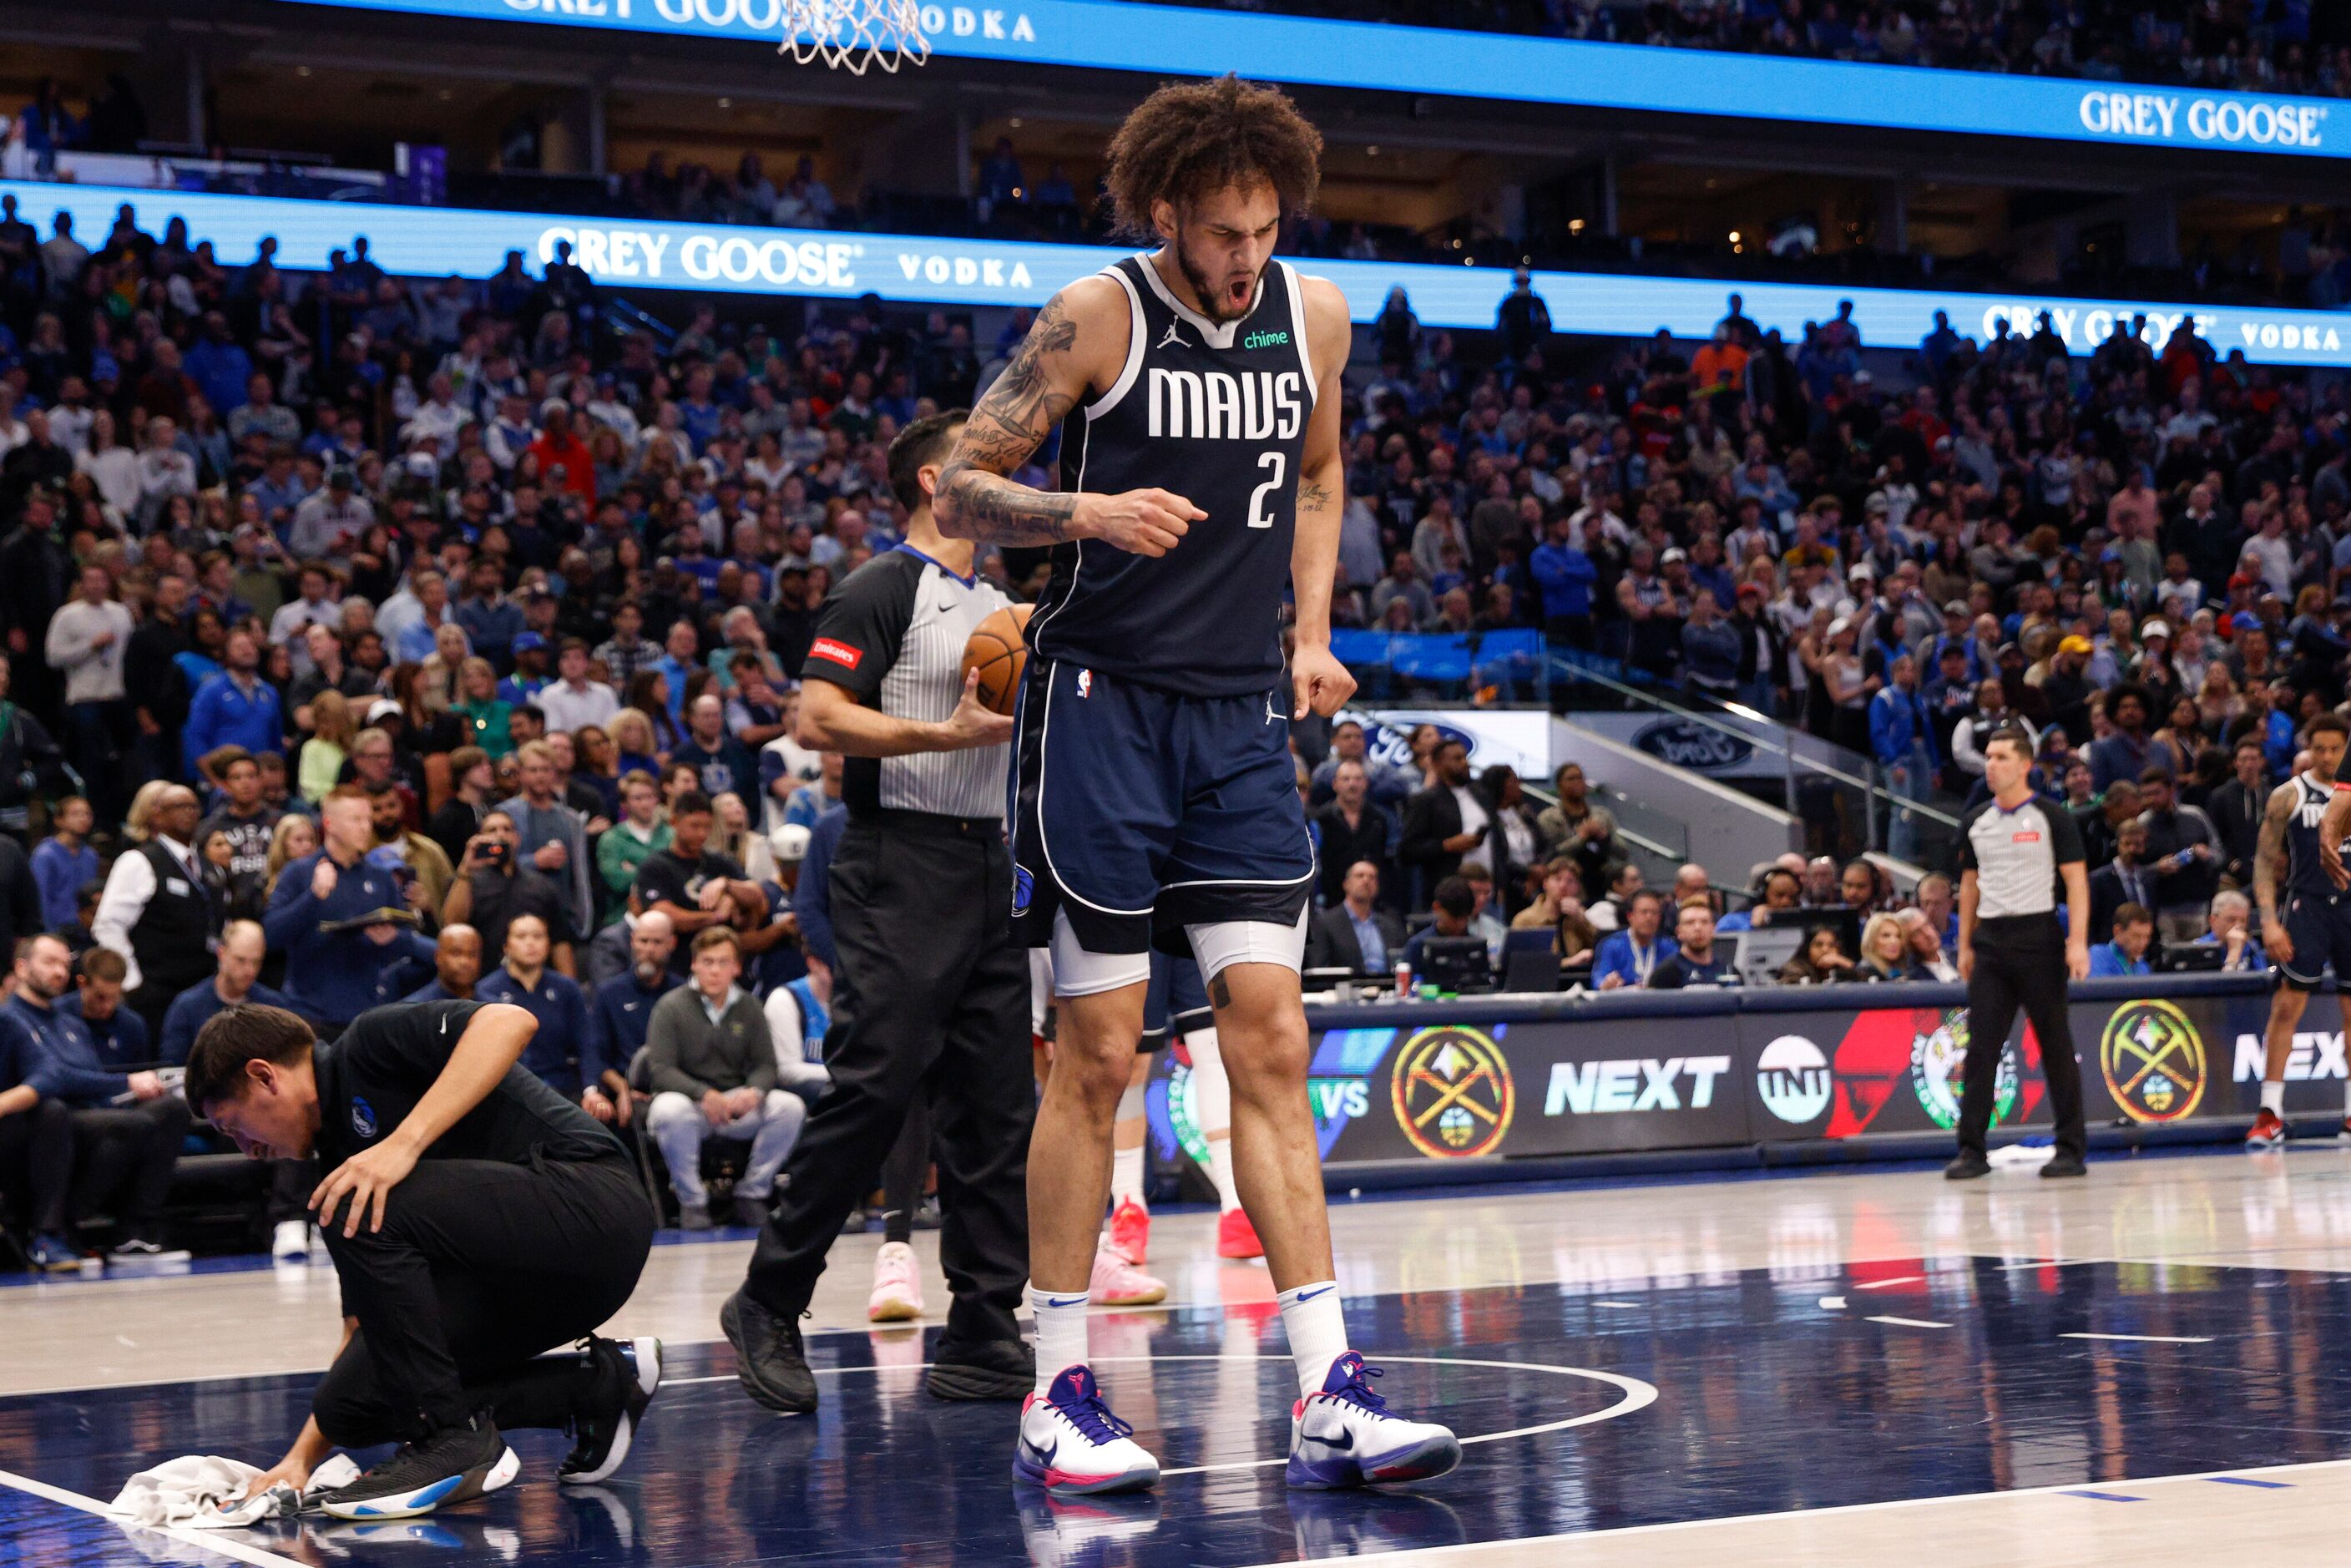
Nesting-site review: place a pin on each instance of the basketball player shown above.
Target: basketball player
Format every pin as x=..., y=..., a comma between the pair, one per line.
x=2313, y=933
x=1154, y=792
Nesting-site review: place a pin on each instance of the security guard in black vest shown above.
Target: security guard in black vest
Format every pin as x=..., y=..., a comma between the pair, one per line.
x=159, y=912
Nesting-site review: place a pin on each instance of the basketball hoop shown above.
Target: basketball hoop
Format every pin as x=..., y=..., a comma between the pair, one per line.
x=850, y=35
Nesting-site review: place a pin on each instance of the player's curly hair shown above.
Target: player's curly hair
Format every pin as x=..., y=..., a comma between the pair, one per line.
x=1189, y=139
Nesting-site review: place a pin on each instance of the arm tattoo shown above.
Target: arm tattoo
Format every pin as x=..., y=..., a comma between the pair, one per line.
x=974, y=499
x=1314, y=494
x=2269, y=855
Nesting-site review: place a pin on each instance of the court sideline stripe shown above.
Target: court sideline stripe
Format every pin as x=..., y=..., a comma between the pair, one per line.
x=1568, y=1539
x=208, y=1540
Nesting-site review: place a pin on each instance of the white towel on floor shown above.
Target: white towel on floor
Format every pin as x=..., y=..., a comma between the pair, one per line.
x=177, y=1492
x=206, y=1492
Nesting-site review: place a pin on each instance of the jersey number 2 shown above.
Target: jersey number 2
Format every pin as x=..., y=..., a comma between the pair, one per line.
x=1258, y=517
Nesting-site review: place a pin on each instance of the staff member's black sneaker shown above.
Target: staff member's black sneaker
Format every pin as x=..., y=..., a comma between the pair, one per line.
x=2062, y=1164
x=769, y=1360
x=624, y=1375
x=990, y=1369
x=1969, y=1166
x=452, y=1464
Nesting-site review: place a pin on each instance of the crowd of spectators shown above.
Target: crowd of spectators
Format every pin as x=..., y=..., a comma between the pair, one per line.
x=2251, y=46
x=362, y=637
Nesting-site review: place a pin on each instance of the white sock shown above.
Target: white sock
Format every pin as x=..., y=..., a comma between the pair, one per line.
x=1317, y=1326
x=1126, y=1177
x=1212, y=1102
x=1061, y=1333
x=2274, y=1097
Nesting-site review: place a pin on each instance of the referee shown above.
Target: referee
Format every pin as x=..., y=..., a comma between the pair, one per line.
x=930, y=996
x=2013, y=848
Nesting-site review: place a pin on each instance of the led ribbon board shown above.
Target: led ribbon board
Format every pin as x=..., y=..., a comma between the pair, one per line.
x=1160, y=40
x=630, y=255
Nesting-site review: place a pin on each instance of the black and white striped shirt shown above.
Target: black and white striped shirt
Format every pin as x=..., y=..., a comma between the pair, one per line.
x=891, y=634
x=2015, y=855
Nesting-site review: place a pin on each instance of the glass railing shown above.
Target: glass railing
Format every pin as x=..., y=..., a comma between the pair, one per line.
x=1847, y=802
x=1480, y=669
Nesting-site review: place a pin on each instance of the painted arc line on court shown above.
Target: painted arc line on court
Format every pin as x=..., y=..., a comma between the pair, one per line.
x=1909, y=1323
x=1637, y=1395
x=2248, y=1481
x=1804, y=1516
x=2103, y=1496
x=1889, y=1284
x=2146, y=1338
x=209, y=1541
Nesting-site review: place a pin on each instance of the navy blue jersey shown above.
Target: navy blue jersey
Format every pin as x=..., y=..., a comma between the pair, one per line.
x=2303, y=873
x=1216, y=415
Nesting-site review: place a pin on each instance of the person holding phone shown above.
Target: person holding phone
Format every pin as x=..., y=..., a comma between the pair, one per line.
x=495, y=886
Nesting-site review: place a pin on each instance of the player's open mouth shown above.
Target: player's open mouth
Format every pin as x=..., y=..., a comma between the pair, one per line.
x=1236, y=292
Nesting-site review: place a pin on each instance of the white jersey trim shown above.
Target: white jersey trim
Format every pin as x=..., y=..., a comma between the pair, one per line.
x=1134, y=366
x=1298, y=331
x=1211, y=333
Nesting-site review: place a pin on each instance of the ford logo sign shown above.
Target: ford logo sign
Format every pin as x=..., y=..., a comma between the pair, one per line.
x=1685, y=743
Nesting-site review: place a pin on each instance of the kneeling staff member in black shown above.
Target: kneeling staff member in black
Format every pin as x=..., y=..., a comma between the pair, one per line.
x=476, y=1219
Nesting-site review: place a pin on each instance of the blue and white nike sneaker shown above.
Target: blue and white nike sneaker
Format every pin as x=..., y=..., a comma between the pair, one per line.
x=1344, y=1436
x=1069, y=1441
x=454, y=1464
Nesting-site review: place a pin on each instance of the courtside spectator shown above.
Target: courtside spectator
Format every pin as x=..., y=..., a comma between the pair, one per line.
x=711, y=1066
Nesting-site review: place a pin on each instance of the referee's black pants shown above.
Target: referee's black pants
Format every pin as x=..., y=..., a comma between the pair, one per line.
x=930, y=998
x=481, y=1265
x=2021, y=962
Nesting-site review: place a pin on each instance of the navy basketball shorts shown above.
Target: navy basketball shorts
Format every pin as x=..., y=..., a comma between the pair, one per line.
x=1176, y=1003
x=2320, y=927
x=1136, y=812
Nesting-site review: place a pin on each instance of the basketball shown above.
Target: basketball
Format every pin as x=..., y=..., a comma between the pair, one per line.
x=998, y=650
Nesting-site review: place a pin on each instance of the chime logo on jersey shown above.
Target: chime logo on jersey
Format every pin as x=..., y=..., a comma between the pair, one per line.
x=2154, y=1061
x=1452, y=1093
x=1223, y=406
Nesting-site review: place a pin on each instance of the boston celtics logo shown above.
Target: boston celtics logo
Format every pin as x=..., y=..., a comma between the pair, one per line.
x=1452, y=1093
x=1939, y=1055
x=2154, y=1061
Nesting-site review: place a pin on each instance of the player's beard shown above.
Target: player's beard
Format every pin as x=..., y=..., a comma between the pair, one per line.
x=1214, y=303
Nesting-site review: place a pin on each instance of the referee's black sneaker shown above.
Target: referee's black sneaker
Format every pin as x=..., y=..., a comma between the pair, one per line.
x=452, y=1464
x=989, y=1369
x=2062, y=1165
x=622, y=1375
x=1968, y=1164
x=769, y=1359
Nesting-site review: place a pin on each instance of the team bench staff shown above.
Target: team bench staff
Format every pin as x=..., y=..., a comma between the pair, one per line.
x=476, y=1219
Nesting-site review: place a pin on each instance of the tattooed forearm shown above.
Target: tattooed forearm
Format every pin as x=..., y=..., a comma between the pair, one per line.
x=975, y=500
x=1313, y=495
x=993, y=510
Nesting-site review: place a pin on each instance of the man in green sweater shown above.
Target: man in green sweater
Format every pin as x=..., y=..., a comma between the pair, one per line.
x=712, y=1069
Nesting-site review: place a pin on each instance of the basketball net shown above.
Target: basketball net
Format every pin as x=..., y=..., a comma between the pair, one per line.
x=850, y=35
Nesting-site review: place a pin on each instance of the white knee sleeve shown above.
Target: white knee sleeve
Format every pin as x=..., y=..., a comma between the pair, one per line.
x=1078, y=973
x=1223, y=942
x=1212, y=1092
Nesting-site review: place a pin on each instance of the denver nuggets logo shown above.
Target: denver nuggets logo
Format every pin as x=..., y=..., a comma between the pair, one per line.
x=1452, y=1093
x=2154, y=1061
